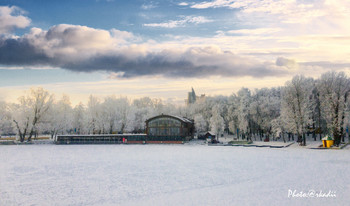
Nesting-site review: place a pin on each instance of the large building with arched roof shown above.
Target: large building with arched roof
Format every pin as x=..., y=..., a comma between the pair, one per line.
x=169, y=127
x=162, y=129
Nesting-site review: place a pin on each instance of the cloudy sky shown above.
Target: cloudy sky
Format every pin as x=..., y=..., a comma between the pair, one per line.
x=163, y=48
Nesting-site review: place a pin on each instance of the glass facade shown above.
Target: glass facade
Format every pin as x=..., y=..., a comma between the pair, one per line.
x=164, y=126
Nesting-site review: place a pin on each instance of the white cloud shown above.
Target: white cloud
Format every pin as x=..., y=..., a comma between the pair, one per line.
x=81, y=48
x=242, y=52
x=259, y=31
x=213, y=4
x=124, y=36
x=302, y=30
x=269, y=45
x=185, y=20
x=149, y=6
x=254, y=53
x=286, y=11
x=183, y=4
x=72, y=42
x=11, y=18
x=289, y=63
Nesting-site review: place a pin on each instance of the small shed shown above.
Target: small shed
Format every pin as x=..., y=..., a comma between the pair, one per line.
x=209, y=135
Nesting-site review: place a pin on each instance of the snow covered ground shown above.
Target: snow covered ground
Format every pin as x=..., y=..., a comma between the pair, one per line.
x=189, y=174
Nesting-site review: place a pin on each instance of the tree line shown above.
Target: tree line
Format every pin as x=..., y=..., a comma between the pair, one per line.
x=303, y=105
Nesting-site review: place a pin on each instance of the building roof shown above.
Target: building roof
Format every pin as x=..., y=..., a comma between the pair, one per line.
x=210, y=133
x=183, y=119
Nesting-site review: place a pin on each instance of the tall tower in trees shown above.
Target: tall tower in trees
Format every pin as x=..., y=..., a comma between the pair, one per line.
x=191, y=97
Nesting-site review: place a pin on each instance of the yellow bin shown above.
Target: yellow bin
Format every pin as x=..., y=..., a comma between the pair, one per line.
x=327, y=143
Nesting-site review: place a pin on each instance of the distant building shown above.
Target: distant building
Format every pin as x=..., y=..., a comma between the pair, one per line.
x=209, y=135
x=162, y=129
x=169, y=128
x=192, y=97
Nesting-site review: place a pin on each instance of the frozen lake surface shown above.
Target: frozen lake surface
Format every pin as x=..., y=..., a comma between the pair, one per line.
x=170, y=175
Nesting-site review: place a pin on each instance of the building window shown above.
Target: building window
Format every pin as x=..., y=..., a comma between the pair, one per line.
x=167, y=127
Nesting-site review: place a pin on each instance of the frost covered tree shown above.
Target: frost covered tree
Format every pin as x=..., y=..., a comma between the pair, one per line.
x=243, y=111
x=265, y=107
x=5, y=119
x=79, y=119
x=143, y=110
x=109, y=114
x=217, y=124
x=257, y=116
x=30, y=111
x=158, y=106
x=334, y=91
x=278, y=127
x=60, y=117
x=2, y=116
x=200, y=124
x=296, y=108
x=205, y=108
x=94, y=115
x=319, y=122
x=232, y=114
x=302, y=104
x=125, y=115
x=271, y=108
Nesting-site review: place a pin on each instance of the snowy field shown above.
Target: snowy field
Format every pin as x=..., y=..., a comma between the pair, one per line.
x=170, y=175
